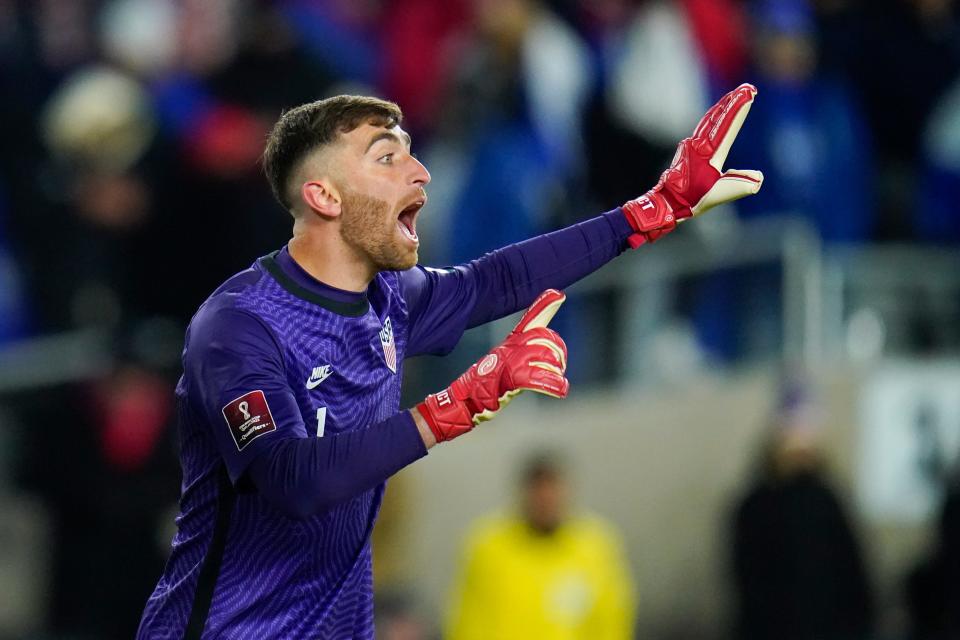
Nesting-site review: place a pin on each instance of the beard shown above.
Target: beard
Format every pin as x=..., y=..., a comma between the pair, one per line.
x=368, y=227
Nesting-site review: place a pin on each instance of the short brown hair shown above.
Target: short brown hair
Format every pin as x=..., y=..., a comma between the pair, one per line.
x=302, y=129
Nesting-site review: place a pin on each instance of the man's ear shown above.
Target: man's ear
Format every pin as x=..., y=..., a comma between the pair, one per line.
x=321, y=197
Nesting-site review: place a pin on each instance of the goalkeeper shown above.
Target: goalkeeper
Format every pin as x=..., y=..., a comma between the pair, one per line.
x=289, y=401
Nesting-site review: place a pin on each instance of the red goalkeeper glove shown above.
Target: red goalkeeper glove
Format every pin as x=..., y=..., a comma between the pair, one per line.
x=532, y=358
x=695, y=180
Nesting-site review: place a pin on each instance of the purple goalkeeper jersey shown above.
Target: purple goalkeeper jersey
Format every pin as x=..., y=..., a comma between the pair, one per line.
x=280, y=369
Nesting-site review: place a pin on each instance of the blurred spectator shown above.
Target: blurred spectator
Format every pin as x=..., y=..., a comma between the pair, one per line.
x=797, y=566
x=422, y=42
x=92, y=203
x=99, y=455
x=517, y=134
x=811, y=142
x=242, y=67
x=806, y=132
x=933, y=586
x=508, y=147
x=720, y=30
x=938, y=220
x=542, y=572
x=341, y=35
x=641, y=111
x=904, y=55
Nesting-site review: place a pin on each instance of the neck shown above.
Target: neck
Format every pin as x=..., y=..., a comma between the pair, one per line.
x=329, y=259
x=543, y=528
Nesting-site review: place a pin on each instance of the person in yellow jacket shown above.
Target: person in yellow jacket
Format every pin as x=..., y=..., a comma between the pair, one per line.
x=540, y=573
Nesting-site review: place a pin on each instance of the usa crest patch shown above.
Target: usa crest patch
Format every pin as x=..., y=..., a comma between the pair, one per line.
x=389, y=345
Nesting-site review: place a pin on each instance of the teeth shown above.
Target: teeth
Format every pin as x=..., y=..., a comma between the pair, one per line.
x=407, y=232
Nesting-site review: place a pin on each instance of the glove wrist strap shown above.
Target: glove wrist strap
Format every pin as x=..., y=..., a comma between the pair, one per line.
x=446, y=416
x=652, y=216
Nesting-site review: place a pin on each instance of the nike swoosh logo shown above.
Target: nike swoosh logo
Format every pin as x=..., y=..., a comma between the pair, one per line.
x=312, y=382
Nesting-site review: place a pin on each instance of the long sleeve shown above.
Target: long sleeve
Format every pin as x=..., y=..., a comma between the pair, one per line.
x=443, y=303
x=306, y=476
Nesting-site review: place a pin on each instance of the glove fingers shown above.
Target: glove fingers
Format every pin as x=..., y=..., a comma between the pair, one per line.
x=541, y=311
x=537, y=360
x=733, y=185
x=545, y=354
x=548, y=358
x=710, y=117
x=717, y=111
x=546, y=366
x=548, y=383
x=532, y=336
x=725, y=130
x=556, y=345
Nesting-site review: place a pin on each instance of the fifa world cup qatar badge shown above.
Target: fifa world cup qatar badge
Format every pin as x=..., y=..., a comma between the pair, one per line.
x=248, y=418
x=389, y=345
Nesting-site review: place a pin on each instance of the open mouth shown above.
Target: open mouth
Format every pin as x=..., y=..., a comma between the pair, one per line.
x=407, y=220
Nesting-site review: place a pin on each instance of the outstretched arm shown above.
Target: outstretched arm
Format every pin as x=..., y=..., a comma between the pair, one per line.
x=445, y=302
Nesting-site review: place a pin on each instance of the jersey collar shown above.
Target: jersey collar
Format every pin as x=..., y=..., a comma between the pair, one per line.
x=292, y=277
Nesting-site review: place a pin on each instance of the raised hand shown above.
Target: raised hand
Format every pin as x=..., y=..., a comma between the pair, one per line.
x=695, y=181
x=531, y=358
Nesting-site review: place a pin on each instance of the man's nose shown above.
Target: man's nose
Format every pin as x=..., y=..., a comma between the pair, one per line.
x=420, y=174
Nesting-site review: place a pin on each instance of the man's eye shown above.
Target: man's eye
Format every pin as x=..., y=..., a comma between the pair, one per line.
x=387, y=159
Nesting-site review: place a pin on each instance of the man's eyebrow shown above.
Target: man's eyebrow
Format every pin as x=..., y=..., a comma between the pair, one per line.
x=389, y=135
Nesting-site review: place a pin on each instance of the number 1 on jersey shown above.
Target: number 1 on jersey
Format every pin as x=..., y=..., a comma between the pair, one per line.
x=321, y=420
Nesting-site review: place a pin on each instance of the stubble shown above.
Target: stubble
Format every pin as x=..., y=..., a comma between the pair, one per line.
x=368, y=227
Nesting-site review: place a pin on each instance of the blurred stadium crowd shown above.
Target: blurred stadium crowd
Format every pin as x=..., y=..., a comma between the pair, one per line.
x=132, y=129
x=130, y=187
